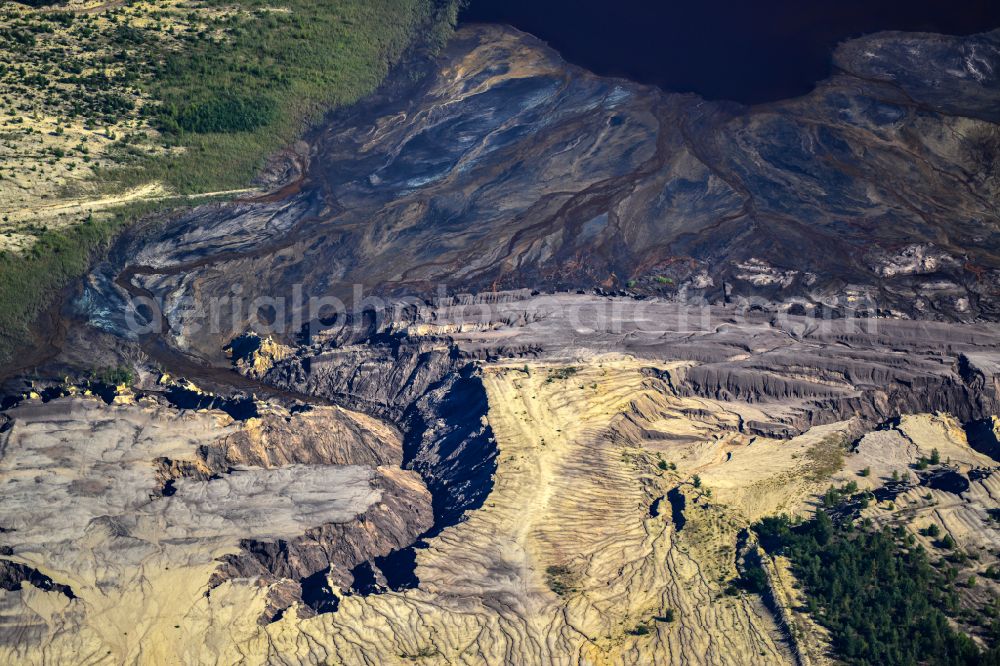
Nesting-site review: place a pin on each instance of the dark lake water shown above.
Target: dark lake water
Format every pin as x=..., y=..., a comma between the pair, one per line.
x=745, y=50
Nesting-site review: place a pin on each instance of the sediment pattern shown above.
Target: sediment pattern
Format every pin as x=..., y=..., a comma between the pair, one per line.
x=503, y=167
x=111, y=511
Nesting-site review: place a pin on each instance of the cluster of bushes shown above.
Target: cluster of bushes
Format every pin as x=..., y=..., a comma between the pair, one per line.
x=229, y=112
x=876, y=591
x=114, y=376
x=559, y=579
x=18, y=37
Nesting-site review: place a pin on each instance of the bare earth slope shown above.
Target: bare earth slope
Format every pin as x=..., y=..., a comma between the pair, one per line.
x=560, y=474
x=506, y=167
x=600, y=517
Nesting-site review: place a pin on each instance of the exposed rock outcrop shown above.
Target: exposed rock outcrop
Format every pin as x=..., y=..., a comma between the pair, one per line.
x=796, y=371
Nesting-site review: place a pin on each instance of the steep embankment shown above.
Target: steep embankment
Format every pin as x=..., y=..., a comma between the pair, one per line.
x=146, y=519
x=624, y=484
x=565, y=560
x=576, y=489
x=506, y=167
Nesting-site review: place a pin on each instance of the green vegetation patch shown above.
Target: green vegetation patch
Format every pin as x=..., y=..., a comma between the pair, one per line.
x=26, y=282
x=227, y=112
x=826, y=457
x=242, y=86
x=561, y=373
x=560, y=579
x=876, y=591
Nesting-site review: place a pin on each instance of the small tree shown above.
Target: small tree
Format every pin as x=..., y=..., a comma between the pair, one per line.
x=696, y=481
x=935, y=458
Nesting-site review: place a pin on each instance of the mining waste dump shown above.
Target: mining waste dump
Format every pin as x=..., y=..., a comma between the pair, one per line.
x=592, y=332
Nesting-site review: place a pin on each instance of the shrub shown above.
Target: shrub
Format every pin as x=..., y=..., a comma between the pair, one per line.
x=227, y=113
x=115, y=376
